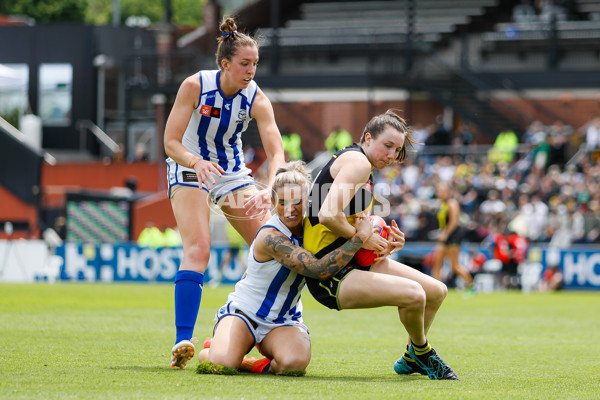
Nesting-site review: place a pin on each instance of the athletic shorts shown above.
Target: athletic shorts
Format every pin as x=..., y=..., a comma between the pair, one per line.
x=455, y=237
x=327, y=291
x=257, y=326
x=228, y=183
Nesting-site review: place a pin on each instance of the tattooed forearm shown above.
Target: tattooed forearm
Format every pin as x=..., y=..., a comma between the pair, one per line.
x=305, y=263
x=332, y=262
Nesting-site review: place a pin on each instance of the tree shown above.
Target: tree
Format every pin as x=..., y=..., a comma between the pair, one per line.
x=45, y=11
x=99, y=12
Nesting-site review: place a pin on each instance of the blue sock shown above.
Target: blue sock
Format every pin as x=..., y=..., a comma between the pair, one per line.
x=266, y=369
x=188, y=292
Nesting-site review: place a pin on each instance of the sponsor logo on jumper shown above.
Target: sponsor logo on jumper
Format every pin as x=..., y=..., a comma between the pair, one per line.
x=189, y=176
x=209, y=111
x=205, y=110
x=228, y=106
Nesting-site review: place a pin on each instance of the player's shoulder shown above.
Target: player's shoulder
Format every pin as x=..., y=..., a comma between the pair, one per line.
x=270, y=232
x=355, y=159
x=268, y=240
x=260, y=98
x=191, y=85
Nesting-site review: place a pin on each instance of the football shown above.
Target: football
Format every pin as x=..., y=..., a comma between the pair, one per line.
x=365, y=257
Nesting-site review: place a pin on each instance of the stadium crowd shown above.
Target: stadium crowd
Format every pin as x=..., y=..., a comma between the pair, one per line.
x=544, y=187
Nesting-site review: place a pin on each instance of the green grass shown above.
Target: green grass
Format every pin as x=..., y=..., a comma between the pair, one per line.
x=71, y=341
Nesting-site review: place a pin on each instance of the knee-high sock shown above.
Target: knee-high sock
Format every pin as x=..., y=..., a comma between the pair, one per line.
x=188, y=293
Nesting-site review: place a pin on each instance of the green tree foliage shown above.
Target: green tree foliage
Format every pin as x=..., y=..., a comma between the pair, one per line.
x=99, y=12
x=188, y=12
x=46, y=11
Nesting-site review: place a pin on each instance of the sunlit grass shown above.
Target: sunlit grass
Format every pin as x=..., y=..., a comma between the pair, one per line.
x=70, y=341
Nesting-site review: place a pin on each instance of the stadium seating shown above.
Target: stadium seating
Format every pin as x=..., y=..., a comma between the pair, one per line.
x=369, y=22
x=575, y=32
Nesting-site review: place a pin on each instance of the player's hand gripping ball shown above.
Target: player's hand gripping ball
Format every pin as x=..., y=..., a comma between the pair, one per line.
x=365, y=257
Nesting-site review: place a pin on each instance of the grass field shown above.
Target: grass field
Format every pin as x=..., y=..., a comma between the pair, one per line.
x=71, y=341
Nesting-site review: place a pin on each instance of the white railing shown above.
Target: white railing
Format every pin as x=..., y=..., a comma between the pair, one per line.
x=85, y=124
x=20, y=136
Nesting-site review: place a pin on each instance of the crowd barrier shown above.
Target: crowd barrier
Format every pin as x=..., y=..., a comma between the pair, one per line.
x=32, y=260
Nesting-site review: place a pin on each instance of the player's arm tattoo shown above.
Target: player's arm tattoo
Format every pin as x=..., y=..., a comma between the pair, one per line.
x=305, y=263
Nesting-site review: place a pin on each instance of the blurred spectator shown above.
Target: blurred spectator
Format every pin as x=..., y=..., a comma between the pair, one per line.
x=426, y=224
x=524, y=12
x=541, y=152
x=548, y=202
x=558, y=140
x=504, y=148
x=292, y=146
x=338, y=139
x=171, y=237
x=466, y=133
x=492, y=207
x=150, y=236
x=420, y=133
x=592, y=139
x=141, y=152
x=534, y=130
x=549, y=10
x=445, y=168
x=410, y=173
x=536, y=215
x=254, y=158
x=440, y=135
x=552, y=279
x=591, y=224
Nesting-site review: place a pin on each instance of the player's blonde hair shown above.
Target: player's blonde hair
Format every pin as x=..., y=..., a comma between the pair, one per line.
x=292, y=173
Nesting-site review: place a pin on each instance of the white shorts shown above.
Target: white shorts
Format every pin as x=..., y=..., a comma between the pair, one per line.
x=228, y=183
x=257, y=326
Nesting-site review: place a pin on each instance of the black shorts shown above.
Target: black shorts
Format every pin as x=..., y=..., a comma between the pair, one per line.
x=455, y=237
x=326, y=291
x=510, y=268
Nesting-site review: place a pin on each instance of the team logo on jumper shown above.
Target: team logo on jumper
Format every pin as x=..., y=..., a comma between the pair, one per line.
x=242, y=115
x=209, y=111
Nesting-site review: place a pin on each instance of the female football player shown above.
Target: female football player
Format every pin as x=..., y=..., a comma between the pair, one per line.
x=448, y=243
x=265, y=308
x=343, y=189
x=206, y=163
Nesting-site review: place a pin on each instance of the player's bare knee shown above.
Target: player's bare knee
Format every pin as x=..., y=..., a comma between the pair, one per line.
x=198, y=253
x=293, y=362
x=222, y=359
x=438, y=294
x=415, y=296
x=203, y=355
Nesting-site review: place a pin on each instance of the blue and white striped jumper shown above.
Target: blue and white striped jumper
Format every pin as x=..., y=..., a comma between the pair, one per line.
x=269, y=291
x=214, y=131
